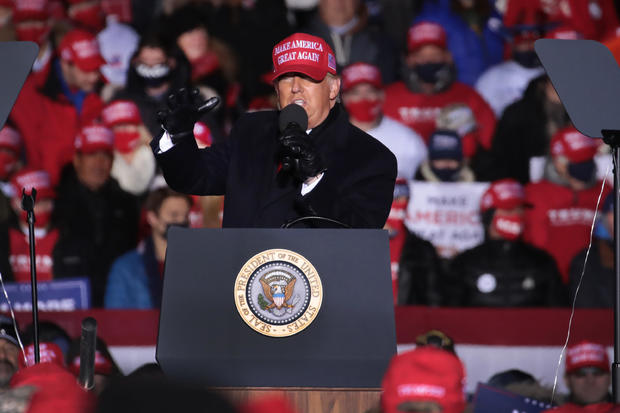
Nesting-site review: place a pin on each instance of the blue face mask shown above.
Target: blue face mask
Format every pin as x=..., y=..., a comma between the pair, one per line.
x=446, y=174
x=582, y=171
x=430, y=72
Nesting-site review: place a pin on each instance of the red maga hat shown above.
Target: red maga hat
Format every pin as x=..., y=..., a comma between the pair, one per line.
x=48, y=353
x=94, y=138
x=568, y=142
x=426, y=374
x=424, y=33
x=103, y=365
x=29, y=178
x=303, y=53
x=504, y=194
x=121, y=111
x=360, y=72
x=586, y=354
x=81, y=48
x=30, y=10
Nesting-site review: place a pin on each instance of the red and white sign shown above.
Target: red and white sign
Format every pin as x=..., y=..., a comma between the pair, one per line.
x=446, y=214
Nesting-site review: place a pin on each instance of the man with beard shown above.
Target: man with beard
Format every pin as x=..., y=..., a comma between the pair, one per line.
x=429, y=85
x=9, y=352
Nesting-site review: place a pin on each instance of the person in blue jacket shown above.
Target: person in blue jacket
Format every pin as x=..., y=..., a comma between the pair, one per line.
x=475, y=33
x=135, y=278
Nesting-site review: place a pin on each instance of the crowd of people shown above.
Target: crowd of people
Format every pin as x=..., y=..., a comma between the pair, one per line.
x=430, y=378
x=457, y=94
x=453, y=88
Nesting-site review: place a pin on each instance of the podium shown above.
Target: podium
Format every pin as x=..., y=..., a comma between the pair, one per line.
x=304, y=312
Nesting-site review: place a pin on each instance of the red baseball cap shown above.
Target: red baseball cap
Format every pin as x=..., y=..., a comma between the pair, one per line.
x=360, y=72
x=586, y=354
x=303, y=53
x=10, y=139
x=94, y=138
x=48, y=353
x=504, y=194
x=424, y=33
x=30, y=10
x=568, y=142
x=103, y=365
x=425, y=374
x=81, y=48
x=121, y=111
x=202, y=133
x=29, y=178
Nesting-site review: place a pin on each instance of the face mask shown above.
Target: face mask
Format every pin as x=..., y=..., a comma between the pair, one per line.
x=431, y=72
x=364, y=110
x=527, y=59
x=126, y=141
x=446, y=174
x=509, y=227
x=32, y=34
x=7, y=164
x=153, y=76
x=91, y=18
x=582, y=171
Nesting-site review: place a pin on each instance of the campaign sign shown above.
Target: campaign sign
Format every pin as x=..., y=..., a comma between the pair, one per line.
x=492, y=400
x=446, y=214
x=67, y=294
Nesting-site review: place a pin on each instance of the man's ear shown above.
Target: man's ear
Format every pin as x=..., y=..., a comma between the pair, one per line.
x=334, y=88
x=151, y=218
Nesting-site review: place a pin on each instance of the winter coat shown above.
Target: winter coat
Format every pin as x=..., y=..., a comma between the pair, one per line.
x=501, y=273
x=134, y=280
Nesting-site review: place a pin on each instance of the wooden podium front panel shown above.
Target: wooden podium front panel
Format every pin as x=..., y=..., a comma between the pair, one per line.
x=311, y=400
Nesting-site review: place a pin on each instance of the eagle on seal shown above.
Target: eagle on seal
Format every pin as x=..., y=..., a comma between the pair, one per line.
x=278, y=294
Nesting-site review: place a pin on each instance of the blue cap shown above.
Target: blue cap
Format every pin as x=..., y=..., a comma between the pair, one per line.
x=445, y=144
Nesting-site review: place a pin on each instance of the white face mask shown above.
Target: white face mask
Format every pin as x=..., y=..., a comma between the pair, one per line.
x=153, y=72
x=301, y=4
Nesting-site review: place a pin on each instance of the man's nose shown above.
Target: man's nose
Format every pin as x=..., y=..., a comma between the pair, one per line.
x=296, y=84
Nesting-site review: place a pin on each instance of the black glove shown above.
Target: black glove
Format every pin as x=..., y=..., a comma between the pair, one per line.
x=185, y=107
x=300, y=156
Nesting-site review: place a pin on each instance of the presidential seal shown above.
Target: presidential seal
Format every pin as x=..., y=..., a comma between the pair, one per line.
x=278, y=293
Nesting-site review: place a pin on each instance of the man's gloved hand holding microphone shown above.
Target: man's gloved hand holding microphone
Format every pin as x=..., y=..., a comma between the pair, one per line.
x=298, y=153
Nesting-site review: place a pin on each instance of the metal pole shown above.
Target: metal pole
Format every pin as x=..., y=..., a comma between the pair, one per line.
x=28, y=206
x=616, y=364
x=33, y=282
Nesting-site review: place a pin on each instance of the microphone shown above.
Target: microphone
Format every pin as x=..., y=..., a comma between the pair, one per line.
x=293, y=116
x=293, y=120
x=88, y=342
